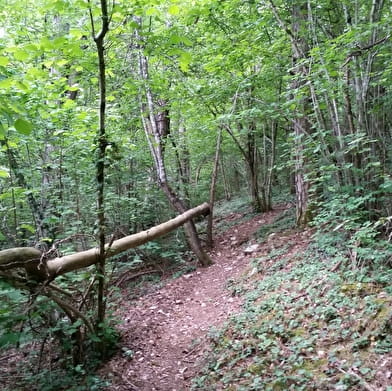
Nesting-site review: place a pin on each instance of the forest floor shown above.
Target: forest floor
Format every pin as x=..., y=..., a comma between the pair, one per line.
x=164, y=334
x=279, y=309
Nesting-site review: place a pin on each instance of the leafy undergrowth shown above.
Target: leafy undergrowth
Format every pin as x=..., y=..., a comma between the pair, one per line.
x=309, y=322
x=230, y=213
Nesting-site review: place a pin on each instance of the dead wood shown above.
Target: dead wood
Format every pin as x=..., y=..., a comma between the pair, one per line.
x=29, y=257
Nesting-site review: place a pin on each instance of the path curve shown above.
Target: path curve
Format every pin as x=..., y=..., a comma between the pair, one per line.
x=163, y=332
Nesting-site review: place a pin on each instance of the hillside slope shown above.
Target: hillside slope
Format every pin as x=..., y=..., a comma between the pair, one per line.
x=273, y=313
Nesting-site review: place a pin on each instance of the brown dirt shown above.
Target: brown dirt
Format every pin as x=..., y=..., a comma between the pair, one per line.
x=165, y=332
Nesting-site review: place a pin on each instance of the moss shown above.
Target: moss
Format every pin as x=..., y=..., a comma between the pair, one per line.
x=299, y=332
x=361, y=289
x=256, y=369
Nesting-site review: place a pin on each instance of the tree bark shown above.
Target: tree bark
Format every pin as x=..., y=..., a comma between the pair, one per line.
x=210, y=240
x=99, y=39
x=156, y=127
x=20, y=257
x=36, y=210
x=301, y=124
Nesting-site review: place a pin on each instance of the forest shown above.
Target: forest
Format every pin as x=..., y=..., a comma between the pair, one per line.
x=204, y=181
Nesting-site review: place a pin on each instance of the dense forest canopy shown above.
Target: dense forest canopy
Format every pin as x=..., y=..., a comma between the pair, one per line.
x=298, y=90
x=118, y=115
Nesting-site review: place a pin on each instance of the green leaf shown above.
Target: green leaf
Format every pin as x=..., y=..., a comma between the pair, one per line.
x=185, y=59
x=152, y=11
x=2, y=131
x=6, y=83
x=9, y=339
x=28, y=227
x=61, y=63
x=69, y=103
x=4, y=61
x=23, y=126
x=174, y=10
x=175, y=39
x=4, y=172
x=21, y=55
x=186, y=41
x=22, y=86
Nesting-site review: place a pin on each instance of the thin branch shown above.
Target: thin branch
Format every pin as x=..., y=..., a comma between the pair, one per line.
x=69, y=308
x=362, y=49
x=91, y=19
x=230, y=131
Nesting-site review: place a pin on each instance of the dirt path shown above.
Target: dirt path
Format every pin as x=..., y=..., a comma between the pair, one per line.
x=163, y=332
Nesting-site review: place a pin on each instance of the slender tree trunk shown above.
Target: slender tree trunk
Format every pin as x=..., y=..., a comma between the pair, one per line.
x=156, y=127
x=210, y=241
x=301, y=124
x=36, y=211
x=225, y=181
x=269, y=163
x=182, y=158
x=100, y=163
x=249, y=153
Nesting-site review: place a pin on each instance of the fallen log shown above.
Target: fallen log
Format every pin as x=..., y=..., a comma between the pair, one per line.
x=30, y=257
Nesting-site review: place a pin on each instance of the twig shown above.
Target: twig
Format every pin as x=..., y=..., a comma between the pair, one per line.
x=86, y=293
x=336, y=266
x=68, y=308
x=9, y=356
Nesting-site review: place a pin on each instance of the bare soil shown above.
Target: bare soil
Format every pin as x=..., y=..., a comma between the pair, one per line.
x=165, y=332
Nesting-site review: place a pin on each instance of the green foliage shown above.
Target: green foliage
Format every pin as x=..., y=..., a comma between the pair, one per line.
x=352, y=217
x=216, y=64
x=284, y=221
x=303, y=326
x=11, y=315
x=73, y=379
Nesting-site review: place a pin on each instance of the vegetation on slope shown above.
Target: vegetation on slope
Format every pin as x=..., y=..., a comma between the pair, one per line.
x=310, y=321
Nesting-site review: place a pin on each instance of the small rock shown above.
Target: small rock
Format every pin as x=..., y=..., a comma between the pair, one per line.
x=253, y=272
x=251, y=249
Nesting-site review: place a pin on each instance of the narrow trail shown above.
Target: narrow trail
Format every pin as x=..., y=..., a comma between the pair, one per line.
x=164, y=330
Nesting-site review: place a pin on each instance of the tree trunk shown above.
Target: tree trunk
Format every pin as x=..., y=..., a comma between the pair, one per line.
x=30, y=257
x=301, y=124
x=210, y=241
x=36, y=210
x=157, y=127
x=249, y=154
x=100, y=164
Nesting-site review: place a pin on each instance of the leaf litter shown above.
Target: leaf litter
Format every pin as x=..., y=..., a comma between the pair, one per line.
x=270, y=314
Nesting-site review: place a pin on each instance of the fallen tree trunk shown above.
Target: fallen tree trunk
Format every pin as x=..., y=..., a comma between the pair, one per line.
x=30, y=258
